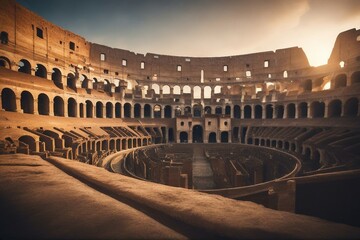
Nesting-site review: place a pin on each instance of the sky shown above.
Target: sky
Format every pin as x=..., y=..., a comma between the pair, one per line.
x=205, y=28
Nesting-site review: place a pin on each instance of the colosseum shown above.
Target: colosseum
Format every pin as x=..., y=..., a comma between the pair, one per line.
x=104, y=143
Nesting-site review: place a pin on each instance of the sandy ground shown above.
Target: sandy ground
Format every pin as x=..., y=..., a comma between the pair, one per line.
x=38, y=200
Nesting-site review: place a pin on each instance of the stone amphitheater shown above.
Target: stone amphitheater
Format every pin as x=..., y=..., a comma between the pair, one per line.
x=105, y=143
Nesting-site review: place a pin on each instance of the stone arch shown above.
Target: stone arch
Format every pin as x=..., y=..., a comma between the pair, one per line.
x=186, y=89
x=247, y=112
x=24, y=66
x=27, y=102
x=187, y=110
x=224, y=137
x=197, y=110
x=351, y=107
x=340, y=81
x=118, y=110
x=218, y=110
x=269, y=111
x=40, y=71
x=217, y=89
x=279, y=110
x=237, y=111
x=72, y=107
x=89, y=109
x=355, y=78
x=58, y=106
x=168, y=111
x=303, y=110
x=8, y=100
x=109, y=109
x=5, y=62
x=127, y=110
x=157, y=111
x=335, y=108
x=227, y=110
x=176, y=90
x=197, y=134
x=197, y=92
x=156, y=88
x=166, y=89
x=99, y=109
x=30, y=141
x=212, y=137
x=137, y=110
x=258, y=111
x=290, y=110
x=43, y=104
x=207, y=92
x=184, y=137
x=56, y=77
x=71, y=81
x=317, y=109
x=147, y=110
x=207, y=110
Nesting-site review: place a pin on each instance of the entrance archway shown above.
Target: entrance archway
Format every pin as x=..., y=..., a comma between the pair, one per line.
x=183, y=137
x=212, y=137
x=197, y=134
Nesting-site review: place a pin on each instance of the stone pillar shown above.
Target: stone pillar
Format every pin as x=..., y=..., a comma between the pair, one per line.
x=264, y=112
x=122, y=111
x=36, y=110
x=51, y=108
x=252, y=111
x=162, y=112
x=282, y=196
x=229, y=132
x=296, y=111
x=326, y=109
x=241, y=112
x=142, y=111
x=66, y=114
x=285, y=112
x=18, y=105
x=310, y=114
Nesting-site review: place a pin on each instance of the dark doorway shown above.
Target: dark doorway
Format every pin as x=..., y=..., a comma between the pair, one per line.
x=197, y=134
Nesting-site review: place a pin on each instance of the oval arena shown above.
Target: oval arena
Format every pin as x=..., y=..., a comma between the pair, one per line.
x=100, y=142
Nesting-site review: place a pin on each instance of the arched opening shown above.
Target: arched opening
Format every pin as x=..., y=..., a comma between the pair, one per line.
x=212, y=137
x=279, y=109
x=81, y=110
x=168, y=111
x=334, y=108
x=4, y=37
x=147, y=111
x=176, y=90
x=30, y=141
x=177, y=111
x=5, y=62
x=258, y=112
x=118, y=110
x=24, y=66
x=8, y=100
x=218, y=110
x=235, y=134
x=237, y=111
x=43, y=104
x=224, y=137
x=99, y=109
x=58, y=106
x=127, y=110
x=71, y=81
x=109, y=110
x=156, y=88
x=166, y=89
x=227, y=110
x=303, y=110
x=247, y=112
x=72, y=108
x=183, y=137
x=197, y=134
x=317, y=109
x=290, y=110
x=89, y=109
x=27, y=102
x=197, y=110
x=269, y=111
x=137, y=110
x=40, y=71
x=187, y=110
x=171, y=135
x=340, y=81
x=351, y=107
x=355, y=78
x=56, y=77
x=197, y=92
x=207, y=92
x=207, y=110
x=157, y=111
x=123, y=144
x=186, y=89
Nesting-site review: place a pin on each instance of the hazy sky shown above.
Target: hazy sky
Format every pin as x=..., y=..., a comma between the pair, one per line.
x=206, y=27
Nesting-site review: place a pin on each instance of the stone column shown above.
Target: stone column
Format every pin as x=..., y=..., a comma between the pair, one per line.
x=142, y=111
x=252, y=111
x=51, y=107
x=18, y=105
x=241, y=112
x=263, y=112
